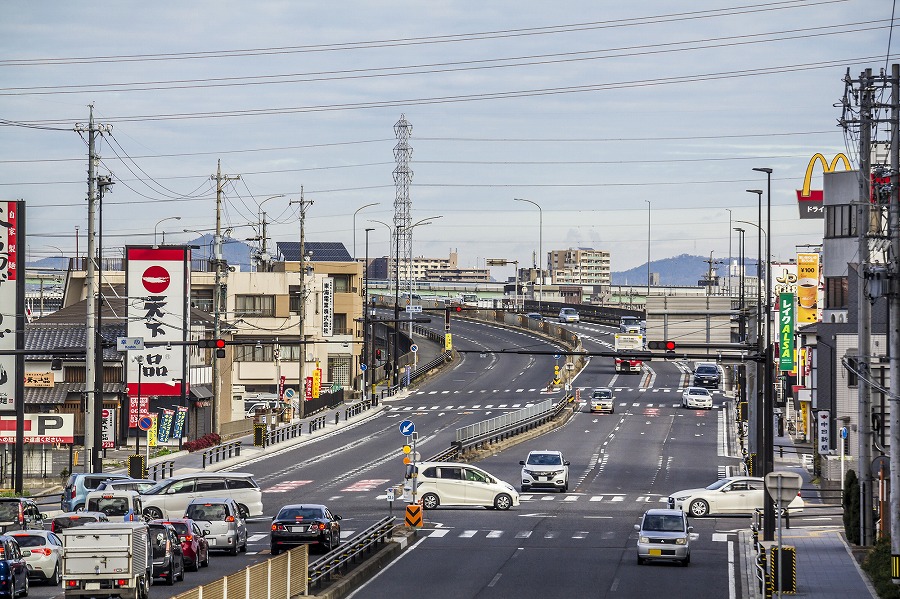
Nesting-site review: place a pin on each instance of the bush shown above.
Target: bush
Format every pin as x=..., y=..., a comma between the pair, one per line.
x=878, y=566
x=850, y=501
x=204, y=442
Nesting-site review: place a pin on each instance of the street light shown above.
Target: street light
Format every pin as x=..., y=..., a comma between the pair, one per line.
x=354, y=224
x=540, y=248
x=648, y=255
x=743, y=322
x=365, y=347
x=156, y=226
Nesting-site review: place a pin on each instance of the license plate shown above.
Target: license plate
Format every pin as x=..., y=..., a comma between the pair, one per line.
x=211, y=541
x=656, y=552
x=92, y=586
x=298, y=529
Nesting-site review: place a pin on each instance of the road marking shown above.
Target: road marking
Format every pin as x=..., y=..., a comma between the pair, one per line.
x=495, y=534
x=255, y=538
x=494, y=580
x=438, y=533
x=524, y=534
x=468, y=534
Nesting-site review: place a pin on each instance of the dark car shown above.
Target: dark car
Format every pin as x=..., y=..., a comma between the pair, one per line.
x=706, y=374
x=194, y=546
x=306, y=524
x=19, y=513
x=66, y=520
x=168, y=558
x=13, y=569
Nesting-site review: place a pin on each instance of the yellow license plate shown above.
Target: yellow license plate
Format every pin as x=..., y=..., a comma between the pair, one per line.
x=656, y=552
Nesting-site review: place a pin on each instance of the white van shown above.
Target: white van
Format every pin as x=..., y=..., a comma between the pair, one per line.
x=450, y=483
x=170, y=498
x=119, y=506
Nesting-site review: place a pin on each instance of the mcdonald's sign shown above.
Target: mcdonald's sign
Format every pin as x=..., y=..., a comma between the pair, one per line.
x=810, y=201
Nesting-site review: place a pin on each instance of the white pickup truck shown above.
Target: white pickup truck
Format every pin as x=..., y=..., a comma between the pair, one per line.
x=107, y=559
x=625, y=342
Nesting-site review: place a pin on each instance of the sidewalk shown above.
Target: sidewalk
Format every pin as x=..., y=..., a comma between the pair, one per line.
x=826, y=569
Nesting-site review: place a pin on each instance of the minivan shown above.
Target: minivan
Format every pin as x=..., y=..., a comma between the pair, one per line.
x=221, y=521
x=20, y=513
x=449, y=483
x=568, y=315
x=79, y=485
x=122, y=506
x=170, y=498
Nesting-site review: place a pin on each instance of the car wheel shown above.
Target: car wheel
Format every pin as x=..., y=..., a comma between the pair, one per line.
x=274, y=550
x=699, y=508
x=564, y=488
x=25, y=588
x=430, y=501
x=79, y=508
x=686, y=561
x=243, y=548
x=152, y=513
x=612, y=410
x=234, y=550
x=56, y=578
x=640, y=561
x=205, y=562
x=195, y=565
x=502, y=502
x=170, y=575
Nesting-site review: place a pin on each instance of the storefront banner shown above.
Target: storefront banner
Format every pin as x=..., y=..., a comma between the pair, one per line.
x=808, y=300
x=786, y=331
x=165, y=425
x=151, y=434
x=178, y=428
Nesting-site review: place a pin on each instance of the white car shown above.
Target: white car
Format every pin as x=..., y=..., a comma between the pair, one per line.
x=41, y=550
x=568, y=315
x=696, y=397
x=450, y=483
x=602, y=400
x=545, y=469
x=733, y=495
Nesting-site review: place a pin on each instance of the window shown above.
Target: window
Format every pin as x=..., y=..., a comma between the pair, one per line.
x=339, y=369
x=181, y=486
x=840, y=221
x=451, y=473
x=341, y=283
x=215, y=484
x=294, y=301
x=836, y=292
x=202, y=299
x=340, y=324
x=254, y=305
x=252, y=353
x=241, y=483
x=852, y=361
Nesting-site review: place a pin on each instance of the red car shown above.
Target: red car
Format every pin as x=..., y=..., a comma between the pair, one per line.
x=193, y=543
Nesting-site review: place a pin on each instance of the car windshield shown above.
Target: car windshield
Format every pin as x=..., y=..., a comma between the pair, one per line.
x=699, y=392
x=70, y=521
x=544, y=459
x=603, y=394
x=30, y=540
x=299, y=513
x=211, y=512
x=663, y=523
x=718, y=484
x=707, y=370
x=180, y=527
x=111, y=506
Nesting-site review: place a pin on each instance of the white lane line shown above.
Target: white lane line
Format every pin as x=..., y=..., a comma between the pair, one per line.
x=440, y=532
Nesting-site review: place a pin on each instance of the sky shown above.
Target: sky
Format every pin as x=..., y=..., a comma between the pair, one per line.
x=633, y=127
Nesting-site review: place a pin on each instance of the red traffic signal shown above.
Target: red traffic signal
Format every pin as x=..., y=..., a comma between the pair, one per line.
x=666, y=345
x=377, y=354
x=216, y=344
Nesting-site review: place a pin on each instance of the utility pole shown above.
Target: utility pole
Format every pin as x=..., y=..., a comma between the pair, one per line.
x=93, y=396
x=894, y=311
x=218, y=295
x=304, y=204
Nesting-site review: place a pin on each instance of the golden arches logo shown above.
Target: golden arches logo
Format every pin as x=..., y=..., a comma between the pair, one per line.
x=826, y=168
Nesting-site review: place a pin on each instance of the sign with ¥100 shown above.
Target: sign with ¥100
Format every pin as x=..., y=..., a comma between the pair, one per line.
x=407, y=428
x=145, y=423
x=130, y=343
x=413, y=348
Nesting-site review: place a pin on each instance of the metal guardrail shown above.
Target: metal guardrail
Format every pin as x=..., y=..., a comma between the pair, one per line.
x=158, y=471
x=339, y=559
x=221, y=452
x=316, y=423
x=360, y=407
x=282, y=433
x=507, y=425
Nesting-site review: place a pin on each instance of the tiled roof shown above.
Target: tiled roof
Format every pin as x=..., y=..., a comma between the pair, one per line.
x=60, y=392
x=321, y=251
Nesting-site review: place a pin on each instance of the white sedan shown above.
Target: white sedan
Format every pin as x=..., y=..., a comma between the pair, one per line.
x=41, y=550
x=733, y=495
x=696, y=397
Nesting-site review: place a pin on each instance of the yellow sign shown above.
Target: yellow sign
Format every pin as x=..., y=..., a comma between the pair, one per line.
x=826, y=167
x=414, y=515
x=316, y=382
x=38, y=379
x=807, y=288
x=151, y=434
x=407, y=449
x=448, y=342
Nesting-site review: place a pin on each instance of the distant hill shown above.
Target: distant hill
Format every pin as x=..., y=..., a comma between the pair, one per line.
x=680, y=270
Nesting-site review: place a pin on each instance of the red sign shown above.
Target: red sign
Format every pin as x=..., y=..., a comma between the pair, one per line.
x=156, y=279
x=39, y=428
x=308, y=389
x=137, y=410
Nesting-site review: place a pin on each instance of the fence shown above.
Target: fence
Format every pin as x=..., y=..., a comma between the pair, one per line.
x=221, y=452
x=507, y=425
x=280, y=577
x=357, y=548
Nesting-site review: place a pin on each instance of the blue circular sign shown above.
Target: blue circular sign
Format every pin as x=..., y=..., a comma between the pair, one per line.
x=556, y=356
x=407, y=427
x=413, y=348
x=145, y=423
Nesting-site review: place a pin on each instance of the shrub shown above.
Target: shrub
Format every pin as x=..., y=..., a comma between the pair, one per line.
x=850, y=501
x=204, y=442
x=878, y=566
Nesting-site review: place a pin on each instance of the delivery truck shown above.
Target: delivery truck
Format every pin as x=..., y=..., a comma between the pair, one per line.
x=107, y=559
x=624, y=343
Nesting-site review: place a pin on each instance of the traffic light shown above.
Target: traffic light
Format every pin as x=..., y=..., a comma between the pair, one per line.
x=377, y=354
x=666, y=345
x=216, y=344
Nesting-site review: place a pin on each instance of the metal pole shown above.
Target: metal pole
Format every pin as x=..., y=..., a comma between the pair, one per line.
x=137, y=433
x=894, y=311
x=91, y=285
x=648, y=253
x=780, y=572
x=365, y=347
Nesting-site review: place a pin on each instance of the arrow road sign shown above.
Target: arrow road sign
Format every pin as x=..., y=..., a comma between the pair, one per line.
x=407, y=428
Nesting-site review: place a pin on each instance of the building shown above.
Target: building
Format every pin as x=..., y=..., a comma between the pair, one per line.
x=427, y=269
x=579, y=266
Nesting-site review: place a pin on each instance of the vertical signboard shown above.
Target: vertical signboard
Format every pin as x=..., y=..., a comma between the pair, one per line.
x=786, y=331
x=178, y=426
x=152, y=431
x=165, y=425
x=784, y=280
x=823, y=431
x=157, y=282
x=108, y=421
x=9, y=302
x=808, y=288
x=327, y=307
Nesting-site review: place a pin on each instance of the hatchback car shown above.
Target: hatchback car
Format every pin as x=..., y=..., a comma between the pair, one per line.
x=458, y=484
x=60, y=522
x=79, y=485
x=568, y=315
x=545, y=469
x=664, y=535
x=42, y=552
x=222, y=523
x=168, y=559
x=194, y=546
x=602, y=400
x=733, y=495
x=696, y=397
x=13, y=569
x=706, y=374
x=305, y=524
x=19, y=513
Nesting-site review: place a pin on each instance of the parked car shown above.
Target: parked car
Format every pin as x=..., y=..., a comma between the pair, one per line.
x=222, y=523
x=733, y=495
x=696, y=397
x=60, y=522
x=568, y=315
x=545, y=469
x=193, y=544
x=168, y=559
x=664, y=535
x=452, y=484
x=305, y=524
x=706, y=374
x=602, y=400
x=42, y=552
x=79, y=485
x=117, y=505
x=170, y=498
x=127, y=484
x=19, y=513
x=13, y=568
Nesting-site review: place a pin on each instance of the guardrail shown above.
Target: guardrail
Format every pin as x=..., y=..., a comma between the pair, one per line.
x=221, y=452
x=350, y=551
x=360, y=407
x=282, y=433
x=507, y=425
x=158, y=471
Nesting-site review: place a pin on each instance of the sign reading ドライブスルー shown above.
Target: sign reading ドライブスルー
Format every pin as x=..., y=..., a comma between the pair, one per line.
x=158, y=287
x=786, y=331
x=9, y=302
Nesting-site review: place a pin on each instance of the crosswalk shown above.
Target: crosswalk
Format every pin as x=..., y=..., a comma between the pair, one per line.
x=571, y=498
x=582, y=535
x=394, y=411
x=641, y=390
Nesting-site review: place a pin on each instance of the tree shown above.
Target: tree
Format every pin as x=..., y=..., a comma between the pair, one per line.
x=850, y=502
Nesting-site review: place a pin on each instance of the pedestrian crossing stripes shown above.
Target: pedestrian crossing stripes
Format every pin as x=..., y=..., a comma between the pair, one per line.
x=286, y=486
x=396, y=411
x=438, y=533
x=536, y=390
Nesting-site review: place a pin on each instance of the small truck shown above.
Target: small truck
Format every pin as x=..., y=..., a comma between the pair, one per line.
x=624, y=343
x=107, y=559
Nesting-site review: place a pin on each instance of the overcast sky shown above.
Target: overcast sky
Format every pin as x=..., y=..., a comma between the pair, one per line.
x=589, y=109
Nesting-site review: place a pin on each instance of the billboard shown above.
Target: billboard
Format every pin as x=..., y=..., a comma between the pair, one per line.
x=39, y=428
x=784, y=280
x=158, y=288
x=11, y=263
x=786, y=331
x=811, y=201
x=809, y=301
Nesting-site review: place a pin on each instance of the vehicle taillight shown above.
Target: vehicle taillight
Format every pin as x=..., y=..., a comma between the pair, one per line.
x=321, y=526
x=229, y=519
x=21, y=514
x=72, y=584
x=122, y=582
x=278, y=527
x=187, y=538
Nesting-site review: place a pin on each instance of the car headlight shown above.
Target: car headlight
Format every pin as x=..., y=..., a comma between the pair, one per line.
x=528, y=473
x=680, y=541
x=682, y=498
x=644, y=540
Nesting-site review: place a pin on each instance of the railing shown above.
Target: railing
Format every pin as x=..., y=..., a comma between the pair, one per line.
x=282, y=433
x=158, y=471
x=338, y=560
x=317, y=423
x=507, y=425
x=221, y=452
x=360, y=407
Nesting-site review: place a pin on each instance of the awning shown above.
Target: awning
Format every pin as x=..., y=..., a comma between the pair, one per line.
x=201, y=391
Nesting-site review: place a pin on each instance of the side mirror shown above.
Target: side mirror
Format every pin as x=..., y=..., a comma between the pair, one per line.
x=566, y=463
x=336, y=517
x=44, y=516
x=694, y=536
x=690, y=528
x=521, y=462
x=637, y=527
